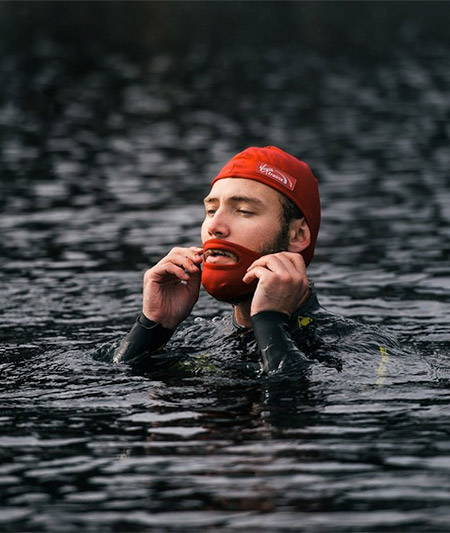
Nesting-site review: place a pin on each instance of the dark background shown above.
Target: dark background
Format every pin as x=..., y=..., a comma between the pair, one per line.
x=114, y=117
x=363, y=28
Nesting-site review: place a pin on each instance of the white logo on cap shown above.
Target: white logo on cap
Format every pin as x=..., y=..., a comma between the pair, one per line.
x=277, y=175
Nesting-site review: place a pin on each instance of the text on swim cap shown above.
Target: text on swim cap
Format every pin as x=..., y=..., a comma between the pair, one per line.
x=277, y=175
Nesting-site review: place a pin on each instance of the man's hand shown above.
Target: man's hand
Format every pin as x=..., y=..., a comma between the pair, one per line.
x=172, y=286
x=282, y=286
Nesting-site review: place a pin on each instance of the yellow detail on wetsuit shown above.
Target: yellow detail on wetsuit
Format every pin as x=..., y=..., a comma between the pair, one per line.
x=303, y=321
x=381, y=370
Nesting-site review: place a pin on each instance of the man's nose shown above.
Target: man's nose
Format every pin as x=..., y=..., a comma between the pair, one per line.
x=217, y=225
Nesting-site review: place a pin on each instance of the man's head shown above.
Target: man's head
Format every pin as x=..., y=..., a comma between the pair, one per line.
x=248, y=175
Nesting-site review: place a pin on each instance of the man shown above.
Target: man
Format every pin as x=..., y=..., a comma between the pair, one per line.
x=262, y=217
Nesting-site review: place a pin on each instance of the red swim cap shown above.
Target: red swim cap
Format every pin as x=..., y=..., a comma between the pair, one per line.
x=286, y=174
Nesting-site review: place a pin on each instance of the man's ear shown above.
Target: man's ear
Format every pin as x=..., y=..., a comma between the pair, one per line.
x=299, y=235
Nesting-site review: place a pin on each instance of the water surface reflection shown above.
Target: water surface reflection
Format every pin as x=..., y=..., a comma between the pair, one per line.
x=103, y=170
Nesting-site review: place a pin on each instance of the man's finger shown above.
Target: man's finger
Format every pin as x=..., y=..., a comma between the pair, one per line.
x=283, y=260
x=188, y=261
x=255, y=273
x=167, y=271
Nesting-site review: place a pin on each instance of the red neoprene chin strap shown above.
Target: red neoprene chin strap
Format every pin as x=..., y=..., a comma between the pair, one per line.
x=224, y=282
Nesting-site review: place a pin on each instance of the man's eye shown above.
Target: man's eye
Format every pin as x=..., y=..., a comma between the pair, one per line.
x=245, y=212
x=210, y=212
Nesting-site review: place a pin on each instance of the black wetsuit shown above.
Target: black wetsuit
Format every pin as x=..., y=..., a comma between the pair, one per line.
x=276, y=344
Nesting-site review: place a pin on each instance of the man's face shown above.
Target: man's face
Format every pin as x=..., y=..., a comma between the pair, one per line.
x=244, y=212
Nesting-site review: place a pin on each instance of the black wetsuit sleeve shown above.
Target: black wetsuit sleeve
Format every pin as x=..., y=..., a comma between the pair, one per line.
x=278, y=350
x=144, y=339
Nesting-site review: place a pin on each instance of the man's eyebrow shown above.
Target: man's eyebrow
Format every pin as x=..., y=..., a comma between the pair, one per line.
x=209, y=200
x=235, y=199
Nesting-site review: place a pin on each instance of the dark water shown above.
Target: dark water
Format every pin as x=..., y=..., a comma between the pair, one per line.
x=103, y=166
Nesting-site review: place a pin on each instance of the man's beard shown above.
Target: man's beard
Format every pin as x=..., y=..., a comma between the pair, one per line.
x=279, y=244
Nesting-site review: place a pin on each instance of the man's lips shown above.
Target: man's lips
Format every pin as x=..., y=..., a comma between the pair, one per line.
x=219, y=257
